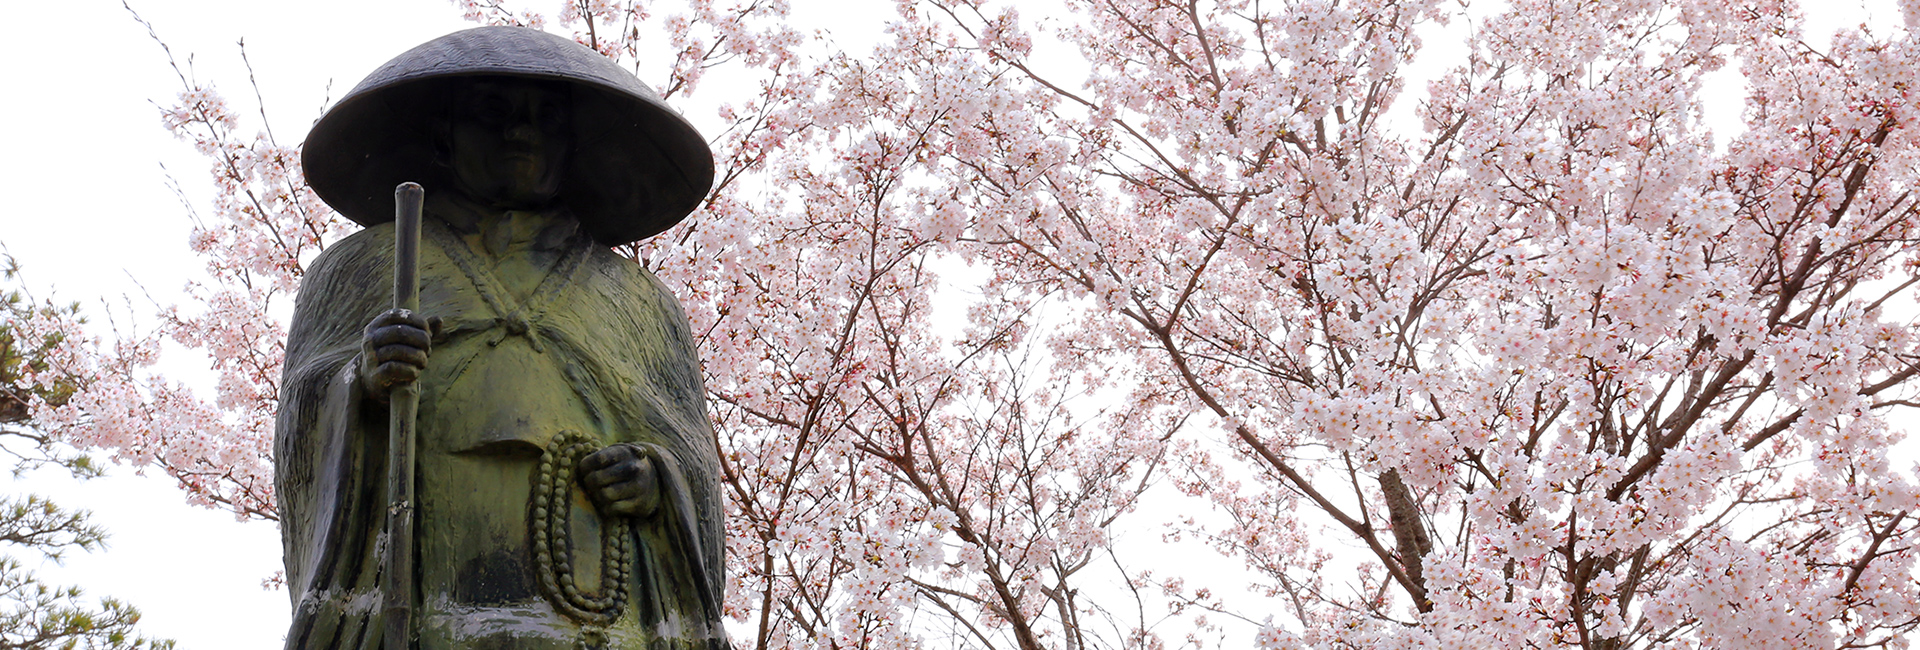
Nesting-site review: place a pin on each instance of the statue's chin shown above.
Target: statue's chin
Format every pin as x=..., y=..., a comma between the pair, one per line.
x=513, y=199
x=523, y=202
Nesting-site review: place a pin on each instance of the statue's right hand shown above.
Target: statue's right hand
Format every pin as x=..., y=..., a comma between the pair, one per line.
x=393, y=350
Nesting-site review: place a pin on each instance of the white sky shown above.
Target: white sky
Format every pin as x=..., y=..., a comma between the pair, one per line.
x=86, y=162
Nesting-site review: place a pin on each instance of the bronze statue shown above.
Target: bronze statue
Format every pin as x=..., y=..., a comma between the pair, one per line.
x=566, y=470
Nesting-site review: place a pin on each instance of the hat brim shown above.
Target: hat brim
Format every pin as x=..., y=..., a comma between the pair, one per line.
x=636, y=167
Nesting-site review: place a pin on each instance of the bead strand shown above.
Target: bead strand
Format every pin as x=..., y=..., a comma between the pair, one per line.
x=553, y=539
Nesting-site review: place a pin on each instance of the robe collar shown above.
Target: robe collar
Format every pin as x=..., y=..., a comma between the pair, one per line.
x=500, y=231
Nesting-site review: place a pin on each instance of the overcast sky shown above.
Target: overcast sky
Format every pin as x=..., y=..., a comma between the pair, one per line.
x=86, y=163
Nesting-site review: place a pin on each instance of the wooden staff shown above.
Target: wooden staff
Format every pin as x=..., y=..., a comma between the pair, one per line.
x=396, y=579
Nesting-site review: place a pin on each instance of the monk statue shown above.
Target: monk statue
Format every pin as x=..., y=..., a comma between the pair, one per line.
x=567, y=493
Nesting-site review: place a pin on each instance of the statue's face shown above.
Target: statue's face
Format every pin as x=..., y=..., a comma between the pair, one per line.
x=507, y=142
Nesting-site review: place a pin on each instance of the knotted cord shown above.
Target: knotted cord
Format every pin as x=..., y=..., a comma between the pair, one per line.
x=513, y=317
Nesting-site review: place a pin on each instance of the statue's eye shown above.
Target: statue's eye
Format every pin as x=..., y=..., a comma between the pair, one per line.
x=552, y=117
x=491, y=109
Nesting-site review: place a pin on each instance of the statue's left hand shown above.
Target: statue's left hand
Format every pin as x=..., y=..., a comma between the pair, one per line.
x=621, y=481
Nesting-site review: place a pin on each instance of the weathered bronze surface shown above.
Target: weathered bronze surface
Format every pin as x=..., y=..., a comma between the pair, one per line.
x=566, y=492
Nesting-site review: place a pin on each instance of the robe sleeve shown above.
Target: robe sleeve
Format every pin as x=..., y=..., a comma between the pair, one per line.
x=646, y=364
x=672, y=400
x=329, y=446
x=680, y=395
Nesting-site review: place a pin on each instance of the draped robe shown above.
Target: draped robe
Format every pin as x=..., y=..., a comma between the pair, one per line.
x=599, y=349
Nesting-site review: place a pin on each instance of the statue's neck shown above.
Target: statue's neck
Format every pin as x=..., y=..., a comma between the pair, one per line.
x=499, y=233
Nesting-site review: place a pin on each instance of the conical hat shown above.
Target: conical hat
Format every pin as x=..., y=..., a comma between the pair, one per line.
x=636, y=169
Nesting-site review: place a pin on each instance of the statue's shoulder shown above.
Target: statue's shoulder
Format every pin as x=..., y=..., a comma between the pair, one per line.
x=630, y=275
x=353, y=251
x=630, y=286
x=361, y=261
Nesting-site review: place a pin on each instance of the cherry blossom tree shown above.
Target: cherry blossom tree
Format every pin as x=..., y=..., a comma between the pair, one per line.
x=1528, y=356
x=39, y=373
x=1567, y=374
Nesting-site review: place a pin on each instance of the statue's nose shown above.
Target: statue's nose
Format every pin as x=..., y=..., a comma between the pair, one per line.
x=523, y=130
